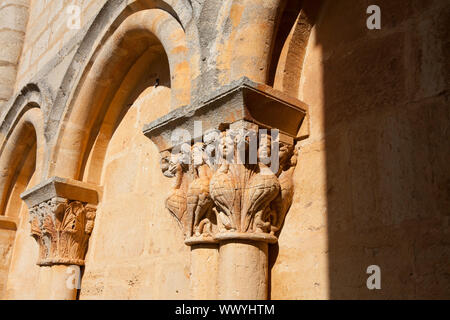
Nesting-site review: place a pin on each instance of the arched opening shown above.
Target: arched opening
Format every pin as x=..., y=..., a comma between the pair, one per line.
x=20, y=167
x=125, y=163
x=23, y=145
x=139, y=38
x=26, y=165
x=290, y=42
x=296, y=20
x=150, y=75
x=139, y=74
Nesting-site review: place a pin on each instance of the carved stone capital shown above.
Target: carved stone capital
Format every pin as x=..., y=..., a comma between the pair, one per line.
x=62, y=215
x=215, y=199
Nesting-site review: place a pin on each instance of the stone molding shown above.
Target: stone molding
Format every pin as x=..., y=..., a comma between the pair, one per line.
x=8, y=223
x=243, y=100
x=62, y=215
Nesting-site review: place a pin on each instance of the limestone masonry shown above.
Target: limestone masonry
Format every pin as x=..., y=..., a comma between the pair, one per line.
x=118, y=120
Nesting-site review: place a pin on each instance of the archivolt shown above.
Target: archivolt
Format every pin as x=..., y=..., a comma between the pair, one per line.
x=290, y=44
x=32, y=95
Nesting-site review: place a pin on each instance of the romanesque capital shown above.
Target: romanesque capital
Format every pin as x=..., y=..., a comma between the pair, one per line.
x=62, y=214
x=232, y=159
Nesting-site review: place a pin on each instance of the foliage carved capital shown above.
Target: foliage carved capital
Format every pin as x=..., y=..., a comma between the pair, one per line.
x=62, y=215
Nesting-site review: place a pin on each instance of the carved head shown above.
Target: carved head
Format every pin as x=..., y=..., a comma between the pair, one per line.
x=185, y=154
x=211, y=140
x=265, y=148
x=170, y=161
x=167, y=164
x=226, y=145
x=197, y=154
x=286, y=152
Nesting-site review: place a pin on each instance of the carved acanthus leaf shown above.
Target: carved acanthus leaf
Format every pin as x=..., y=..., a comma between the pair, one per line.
x=61, y=228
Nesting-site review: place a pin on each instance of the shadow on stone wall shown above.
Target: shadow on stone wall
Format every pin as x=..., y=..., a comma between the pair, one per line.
x=386, y=122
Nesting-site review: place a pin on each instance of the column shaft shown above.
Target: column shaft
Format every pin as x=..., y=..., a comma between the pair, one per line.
x=243, y=270
x=204, y=265
x=57, y=282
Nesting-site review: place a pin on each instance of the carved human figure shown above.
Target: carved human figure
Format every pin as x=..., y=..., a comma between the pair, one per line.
x=168, y=166
x=244, y=197
x=222, y=186
x=263, y=188
x=211, y=140
x=243, y=192
x=176, y=202
x=281, y=205
x=199, y=202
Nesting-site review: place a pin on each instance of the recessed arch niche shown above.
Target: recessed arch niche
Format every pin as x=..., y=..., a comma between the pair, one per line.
x=296, y=19
x=21, y=163
x=113, y=78
x=137, y=75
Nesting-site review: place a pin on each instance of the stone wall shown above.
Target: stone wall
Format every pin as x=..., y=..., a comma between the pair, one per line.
x=13, y=21
x=47, y=33
x=372, y=177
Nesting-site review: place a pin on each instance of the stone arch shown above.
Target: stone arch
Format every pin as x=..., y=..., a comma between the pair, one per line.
x=134, y=88
x=27, y=137
x=22, y=163
x=111, y=15
x=22, y=145
x=32, y=95
x=140, y=32
x=294, y=26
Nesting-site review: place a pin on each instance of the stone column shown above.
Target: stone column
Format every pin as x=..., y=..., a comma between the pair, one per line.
x=8, y=227
x=190, y=203
x=204, y=261
x=13, y=23
x=232, y=168
x=243, y=269
x=62, y=214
